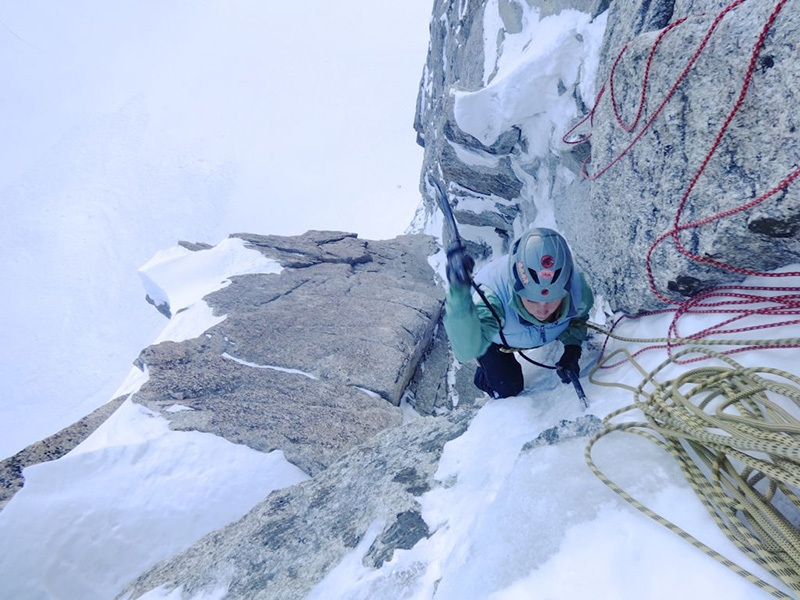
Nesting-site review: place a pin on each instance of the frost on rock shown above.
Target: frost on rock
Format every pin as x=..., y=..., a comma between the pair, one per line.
x=584, y=426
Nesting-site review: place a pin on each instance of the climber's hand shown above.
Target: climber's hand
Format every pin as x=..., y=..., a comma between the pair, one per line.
x=567, y=366
x=459, y=266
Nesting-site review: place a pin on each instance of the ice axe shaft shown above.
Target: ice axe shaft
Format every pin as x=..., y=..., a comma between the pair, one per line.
x=444, y=206
x=573, y=377
x=456, y=245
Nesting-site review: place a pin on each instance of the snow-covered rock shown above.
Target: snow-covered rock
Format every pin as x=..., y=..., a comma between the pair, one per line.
x=506, y=81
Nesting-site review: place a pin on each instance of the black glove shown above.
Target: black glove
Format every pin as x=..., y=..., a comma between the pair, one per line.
x=568, y=363
x=459, y=266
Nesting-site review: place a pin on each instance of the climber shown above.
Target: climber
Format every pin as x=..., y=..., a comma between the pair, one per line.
x=536, y=296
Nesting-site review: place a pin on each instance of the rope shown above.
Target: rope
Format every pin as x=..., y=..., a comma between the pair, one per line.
x=728, y=427
x=734, y=433
x=506, y=347
x=739, y=305
x=703, y=43
x=677, y=226
x=699, y=338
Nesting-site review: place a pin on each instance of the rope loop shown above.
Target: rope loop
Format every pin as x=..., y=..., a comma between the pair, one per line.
x=735, y=433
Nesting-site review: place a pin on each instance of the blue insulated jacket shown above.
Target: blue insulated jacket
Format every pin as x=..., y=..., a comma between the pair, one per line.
x=471, y=326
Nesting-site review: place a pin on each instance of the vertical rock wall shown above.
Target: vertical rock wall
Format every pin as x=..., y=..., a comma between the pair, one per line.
x=640, y=197
x=503, y=182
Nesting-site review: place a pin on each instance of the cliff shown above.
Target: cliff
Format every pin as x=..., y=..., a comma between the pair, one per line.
x=685, y=178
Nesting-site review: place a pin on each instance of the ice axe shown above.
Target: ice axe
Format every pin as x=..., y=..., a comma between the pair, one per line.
x=576, y=383
x=456, y=243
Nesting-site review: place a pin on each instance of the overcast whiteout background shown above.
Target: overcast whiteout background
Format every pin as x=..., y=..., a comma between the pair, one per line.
x=147, y=124
x=129, y=125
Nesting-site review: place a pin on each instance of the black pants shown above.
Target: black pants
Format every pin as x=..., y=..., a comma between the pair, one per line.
x=499, y=374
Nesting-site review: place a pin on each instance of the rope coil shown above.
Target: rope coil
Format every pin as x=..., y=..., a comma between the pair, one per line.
x=735, y=433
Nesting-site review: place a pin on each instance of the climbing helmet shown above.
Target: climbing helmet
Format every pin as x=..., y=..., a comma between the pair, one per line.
x=541, y=266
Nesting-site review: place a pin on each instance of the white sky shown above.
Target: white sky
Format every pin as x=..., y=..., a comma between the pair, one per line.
x=114, y=160
x=277, y=104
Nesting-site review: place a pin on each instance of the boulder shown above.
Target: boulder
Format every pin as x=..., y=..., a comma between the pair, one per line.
x=314, y=360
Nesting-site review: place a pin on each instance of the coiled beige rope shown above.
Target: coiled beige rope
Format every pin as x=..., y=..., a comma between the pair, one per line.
x=734, y=432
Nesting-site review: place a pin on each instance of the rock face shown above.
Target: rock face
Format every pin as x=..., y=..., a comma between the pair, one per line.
x=288, y=543
x=313, y=360
x=643, y=192
x=615, y=220
x=490, y=182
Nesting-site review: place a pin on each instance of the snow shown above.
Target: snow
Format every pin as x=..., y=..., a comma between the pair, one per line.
x=511, y=524
x=133, y=493
x=193, y=275
x=273, y=367
x=132, y=131
x=525, y=92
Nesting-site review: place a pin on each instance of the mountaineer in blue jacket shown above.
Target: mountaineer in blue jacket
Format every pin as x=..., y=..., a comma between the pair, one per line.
x=536, y=296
